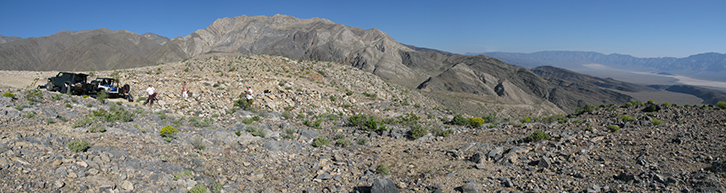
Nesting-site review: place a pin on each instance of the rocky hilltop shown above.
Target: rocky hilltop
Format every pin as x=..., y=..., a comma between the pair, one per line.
x=324, y=127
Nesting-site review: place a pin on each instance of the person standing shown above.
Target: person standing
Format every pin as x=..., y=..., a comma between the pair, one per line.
x=185, y=90
x=152, y=95
x=249, y=96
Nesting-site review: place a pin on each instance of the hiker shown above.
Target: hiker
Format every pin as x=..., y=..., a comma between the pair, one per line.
x=185, y=90
x=249, y=96
x=152, y=95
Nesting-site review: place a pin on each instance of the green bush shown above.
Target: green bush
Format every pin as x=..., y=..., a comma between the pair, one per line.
x=613, y=128
x=721, y=105
x=140, y=99
x=289, y=134
x=526, y=120
x=489, y=119
x=257, y=132
x=383, y=169
x=357, y=120
x=459, y=120
x=362, y=141
x=418, y=131
x=656, y=122
x=216, y=188
x=97, y=127
x=286, y=115
x=198, y=189
x=441, y=132
x=342, y=143
x=78, y=146
x=476, y=122
x=627, y=118
x=9, y=94
x=586, y=109
x=538, y=136
x=320, y=141
x=651, y=108
x=168, y=131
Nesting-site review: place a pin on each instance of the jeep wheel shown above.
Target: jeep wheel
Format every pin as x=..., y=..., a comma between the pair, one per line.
x=50, y=87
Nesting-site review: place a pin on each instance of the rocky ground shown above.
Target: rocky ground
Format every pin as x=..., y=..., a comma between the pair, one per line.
x=272, y=147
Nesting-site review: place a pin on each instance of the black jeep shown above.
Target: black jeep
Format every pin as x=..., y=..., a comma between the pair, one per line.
x=68, y=82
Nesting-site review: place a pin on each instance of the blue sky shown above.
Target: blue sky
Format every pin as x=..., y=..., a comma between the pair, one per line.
x=640, y=28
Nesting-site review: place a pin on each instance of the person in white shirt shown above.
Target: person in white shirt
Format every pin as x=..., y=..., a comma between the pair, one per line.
x=185, y=90
x=152, y=95
x=249, y=96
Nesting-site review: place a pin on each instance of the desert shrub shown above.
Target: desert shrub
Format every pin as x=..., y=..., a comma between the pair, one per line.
x=9, y=94
x=168, y=131
x=78, y=146
x=238, y=133
x=289, y=134
x=201, y=123
x=651, y=108
x=538, y=136
x=198, y=143
x=342, y=143
x=383, y=169
x=87, y=120
x=286, y=115
x=242, y=103
x=459, y=120
x=371, y=124
x=257, y=132
x=418, y=131
x=320, y=141
x=357, y=120
x=526, y=120
x=198, y=189
x=721, y=105
x=442, y=132
x=97, y=127
x=362, y=141
x=489, y=118
x=57, y=97
x=102, y=96
x=585, y=109
x=140, y=99
x=216, y=188
x=613, y=128
x=409, y=119
x=29, y=115
x=656, y=122
x=476, y=122
x=627, y=118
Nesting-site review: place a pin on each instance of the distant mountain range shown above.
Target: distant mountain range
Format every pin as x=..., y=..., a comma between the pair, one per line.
x=710, y=66
x=465, y=83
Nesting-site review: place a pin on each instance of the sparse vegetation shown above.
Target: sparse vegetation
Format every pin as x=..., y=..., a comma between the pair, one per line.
x=78, y=145
x=9, y=94
x=627, y=118
x=320, y=141
x=418, y=131
x=537, y=136
x=383, y=169
x=656, y=122
x=168, y=131
x=459, y=120
x=613, y=128
x=721, y=105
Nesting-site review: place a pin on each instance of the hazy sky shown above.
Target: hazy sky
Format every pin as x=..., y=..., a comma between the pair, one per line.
x=657, y=28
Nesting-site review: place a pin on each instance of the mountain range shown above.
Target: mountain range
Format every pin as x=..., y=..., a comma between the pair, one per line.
x=709, y=66
x=471, y=84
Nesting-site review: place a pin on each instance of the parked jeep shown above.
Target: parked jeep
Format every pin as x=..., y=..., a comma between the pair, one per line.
x=112, y=87
x=65, y=82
